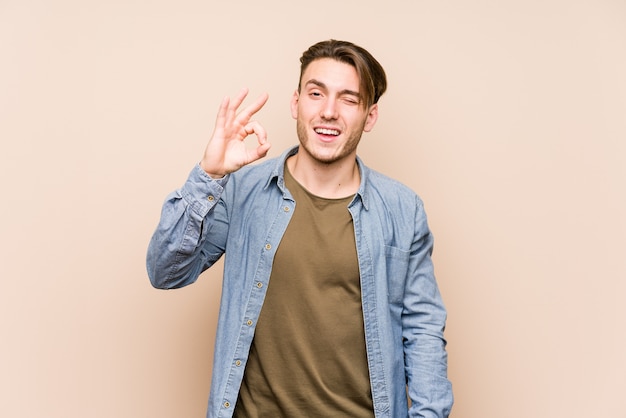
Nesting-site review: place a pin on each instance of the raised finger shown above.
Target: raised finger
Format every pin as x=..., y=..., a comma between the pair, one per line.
x=233, y=105
x=252, y=108
x=238, y=100
x=222, y=113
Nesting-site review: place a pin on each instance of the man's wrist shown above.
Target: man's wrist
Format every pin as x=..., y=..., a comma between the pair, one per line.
x=214, y=175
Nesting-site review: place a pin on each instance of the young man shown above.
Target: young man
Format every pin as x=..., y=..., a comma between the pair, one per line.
x=329, y=306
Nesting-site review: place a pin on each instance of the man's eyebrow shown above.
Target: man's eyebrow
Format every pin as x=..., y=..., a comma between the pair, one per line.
x=321, y=85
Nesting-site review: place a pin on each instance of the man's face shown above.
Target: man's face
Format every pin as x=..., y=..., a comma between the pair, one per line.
x=329, y=111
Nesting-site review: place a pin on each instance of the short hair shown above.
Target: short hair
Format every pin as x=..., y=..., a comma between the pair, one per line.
x=373, y=81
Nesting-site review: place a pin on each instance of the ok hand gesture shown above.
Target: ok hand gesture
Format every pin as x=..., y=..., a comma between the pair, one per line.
x=226, y=151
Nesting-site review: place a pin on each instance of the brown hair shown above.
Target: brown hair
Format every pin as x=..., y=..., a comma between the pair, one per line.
x=371, y=74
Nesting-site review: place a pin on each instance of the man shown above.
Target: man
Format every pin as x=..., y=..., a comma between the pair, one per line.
x=329, y=304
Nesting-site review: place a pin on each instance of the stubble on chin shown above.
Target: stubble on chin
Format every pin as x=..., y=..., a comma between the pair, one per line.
x=307, y=146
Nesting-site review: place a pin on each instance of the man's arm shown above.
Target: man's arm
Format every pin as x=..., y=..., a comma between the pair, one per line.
x=192, y=232
x=423, y=322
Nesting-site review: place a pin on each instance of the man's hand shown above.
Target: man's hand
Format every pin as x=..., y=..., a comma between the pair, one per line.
x=226, y=151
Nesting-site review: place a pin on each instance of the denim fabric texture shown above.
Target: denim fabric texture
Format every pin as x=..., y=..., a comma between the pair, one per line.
x=244, y=216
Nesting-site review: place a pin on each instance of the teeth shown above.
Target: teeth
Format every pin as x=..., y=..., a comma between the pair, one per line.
x=327, y=131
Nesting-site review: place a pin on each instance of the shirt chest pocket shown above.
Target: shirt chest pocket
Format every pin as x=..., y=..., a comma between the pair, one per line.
x=396, y=268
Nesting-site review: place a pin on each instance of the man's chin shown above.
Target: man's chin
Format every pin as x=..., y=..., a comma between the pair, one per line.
x=322, y=155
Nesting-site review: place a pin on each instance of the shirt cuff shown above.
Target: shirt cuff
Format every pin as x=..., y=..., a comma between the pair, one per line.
x=201, y=191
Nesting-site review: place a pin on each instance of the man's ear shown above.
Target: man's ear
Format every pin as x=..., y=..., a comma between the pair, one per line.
x=372, y=117
x=294, y=104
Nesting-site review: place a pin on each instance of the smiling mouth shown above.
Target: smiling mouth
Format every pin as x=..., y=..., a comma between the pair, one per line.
x=326, y=131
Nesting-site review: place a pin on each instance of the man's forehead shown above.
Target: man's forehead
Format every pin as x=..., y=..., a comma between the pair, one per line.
x=330, y=73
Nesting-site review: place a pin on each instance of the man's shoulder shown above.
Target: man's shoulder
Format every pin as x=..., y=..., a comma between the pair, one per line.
x=387, y=186
x=259, y=168
x=389, y=196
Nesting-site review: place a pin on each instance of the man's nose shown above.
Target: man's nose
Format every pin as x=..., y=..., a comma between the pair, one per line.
x=329, y=110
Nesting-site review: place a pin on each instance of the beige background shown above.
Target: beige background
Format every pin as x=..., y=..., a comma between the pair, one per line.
x=507, y=117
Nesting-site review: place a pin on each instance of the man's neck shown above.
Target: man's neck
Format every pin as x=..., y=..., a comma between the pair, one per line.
x=331, y=181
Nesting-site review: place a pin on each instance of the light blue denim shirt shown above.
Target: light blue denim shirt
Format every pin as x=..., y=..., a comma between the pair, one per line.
x=244, y=216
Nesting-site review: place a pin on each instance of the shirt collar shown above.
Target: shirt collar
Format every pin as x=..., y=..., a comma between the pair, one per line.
x=278, y=173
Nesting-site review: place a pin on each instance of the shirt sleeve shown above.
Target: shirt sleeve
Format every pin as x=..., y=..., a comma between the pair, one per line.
x=423, y=324
x=191, y=234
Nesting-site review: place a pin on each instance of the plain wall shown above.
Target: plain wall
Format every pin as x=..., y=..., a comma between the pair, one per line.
x=507, y=117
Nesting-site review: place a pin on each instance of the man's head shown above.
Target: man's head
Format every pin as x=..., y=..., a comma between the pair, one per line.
x=371, y=74
x=336, y=100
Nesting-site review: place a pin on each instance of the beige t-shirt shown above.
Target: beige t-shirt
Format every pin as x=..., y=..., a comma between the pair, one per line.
x=308, y=355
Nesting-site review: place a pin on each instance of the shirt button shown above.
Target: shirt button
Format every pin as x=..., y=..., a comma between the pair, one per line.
x=249, y=322
x=259, y=285
x=268, y=246
x=238, y=363
x=226, y=404
x=286, y=208
x=210, y=198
